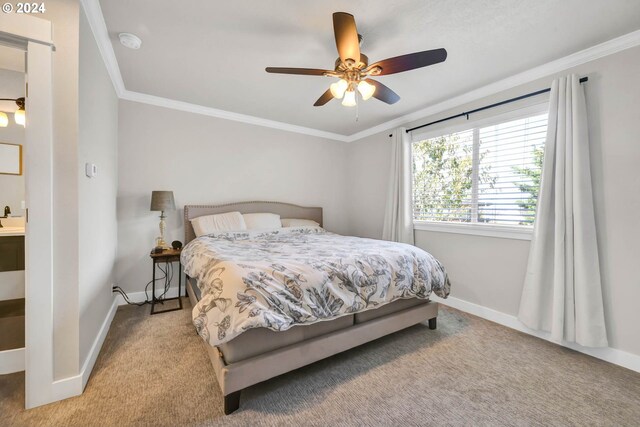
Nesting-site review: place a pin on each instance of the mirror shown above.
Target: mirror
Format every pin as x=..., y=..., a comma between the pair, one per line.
x=10, y=159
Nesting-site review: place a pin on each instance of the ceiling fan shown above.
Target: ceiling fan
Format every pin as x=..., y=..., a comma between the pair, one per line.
x=353, y=69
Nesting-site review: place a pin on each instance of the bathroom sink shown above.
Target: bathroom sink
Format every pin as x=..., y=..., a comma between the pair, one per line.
x=12, y=226
x=11, y=231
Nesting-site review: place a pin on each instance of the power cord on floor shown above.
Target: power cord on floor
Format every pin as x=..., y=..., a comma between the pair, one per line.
x=124, y=295
x=167, y=277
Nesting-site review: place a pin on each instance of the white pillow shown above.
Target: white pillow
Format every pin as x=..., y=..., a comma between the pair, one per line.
x=294, y=222
x=230, y=221
x=262, y=220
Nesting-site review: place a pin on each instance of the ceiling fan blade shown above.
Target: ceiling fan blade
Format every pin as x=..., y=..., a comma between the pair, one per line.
x=411, y=61
x=383, y=93
x=301, y=71
x=346, y=33
x=326, y=97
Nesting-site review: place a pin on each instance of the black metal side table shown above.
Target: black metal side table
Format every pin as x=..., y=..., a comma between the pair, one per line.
x=167, y=256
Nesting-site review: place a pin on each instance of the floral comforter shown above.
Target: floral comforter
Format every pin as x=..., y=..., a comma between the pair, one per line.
x=300, y=275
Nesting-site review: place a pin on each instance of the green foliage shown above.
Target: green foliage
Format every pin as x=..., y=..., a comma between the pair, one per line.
x=531, y=186
x=442, y=187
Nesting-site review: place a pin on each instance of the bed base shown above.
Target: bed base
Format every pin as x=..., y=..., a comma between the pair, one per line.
x=234, y=377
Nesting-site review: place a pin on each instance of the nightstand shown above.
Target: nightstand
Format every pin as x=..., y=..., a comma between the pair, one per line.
x=166, y=257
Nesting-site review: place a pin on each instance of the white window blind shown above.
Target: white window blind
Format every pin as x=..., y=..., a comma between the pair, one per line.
x=484, y=175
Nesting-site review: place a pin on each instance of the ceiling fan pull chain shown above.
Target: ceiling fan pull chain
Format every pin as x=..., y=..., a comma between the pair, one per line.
x=357, y=108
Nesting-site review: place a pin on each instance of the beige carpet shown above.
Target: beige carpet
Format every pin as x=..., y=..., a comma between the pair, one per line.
x=154, y=370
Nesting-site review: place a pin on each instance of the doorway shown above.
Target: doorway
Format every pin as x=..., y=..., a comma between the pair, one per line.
x=12, y=210
x=32, y=36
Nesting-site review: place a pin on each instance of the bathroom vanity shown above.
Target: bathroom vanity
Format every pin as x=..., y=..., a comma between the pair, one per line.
x=11, y=293
x=12, y=251
x=11, y=244
x=11, y=247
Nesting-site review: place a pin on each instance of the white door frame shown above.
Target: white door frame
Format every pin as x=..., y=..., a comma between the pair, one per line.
x=33, y=35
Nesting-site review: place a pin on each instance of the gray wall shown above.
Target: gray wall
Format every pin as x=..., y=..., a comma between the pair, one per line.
x=97, y=223
x=490, y=271
x=209, y=160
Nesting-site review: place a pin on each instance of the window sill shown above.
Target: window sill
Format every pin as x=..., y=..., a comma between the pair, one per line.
x=499, y=231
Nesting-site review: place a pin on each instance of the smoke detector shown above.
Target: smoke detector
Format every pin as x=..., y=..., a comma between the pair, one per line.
x=130, y=40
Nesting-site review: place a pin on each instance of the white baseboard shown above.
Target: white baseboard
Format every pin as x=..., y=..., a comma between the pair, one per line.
x=65, y=388
x=87, y=367
x=608, y=354
x=11, y=361
x=141, y=296
x=74, y=386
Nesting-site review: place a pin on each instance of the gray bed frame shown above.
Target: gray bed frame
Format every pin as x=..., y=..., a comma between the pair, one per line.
x=234, y=377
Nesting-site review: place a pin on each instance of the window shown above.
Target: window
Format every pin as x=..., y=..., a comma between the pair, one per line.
x=484, y=175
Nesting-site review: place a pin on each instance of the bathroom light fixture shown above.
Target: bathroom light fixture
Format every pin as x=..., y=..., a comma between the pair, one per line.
x=18, y=116
x=130, y=40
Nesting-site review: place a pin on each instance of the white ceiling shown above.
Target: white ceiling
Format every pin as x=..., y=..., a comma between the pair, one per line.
x=214, y=53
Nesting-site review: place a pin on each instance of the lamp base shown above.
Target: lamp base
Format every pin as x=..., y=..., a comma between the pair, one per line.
x=160, y=243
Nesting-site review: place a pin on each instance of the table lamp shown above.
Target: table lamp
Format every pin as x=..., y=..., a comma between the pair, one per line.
x=162, y=201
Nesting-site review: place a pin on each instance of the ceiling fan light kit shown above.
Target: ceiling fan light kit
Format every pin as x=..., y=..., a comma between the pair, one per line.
x=353, y=70
x=349, y=99
x=366, y=90
x=339, y=88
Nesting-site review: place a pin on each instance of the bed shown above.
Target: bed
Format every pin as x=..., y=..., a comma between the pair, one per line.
x=267, y=302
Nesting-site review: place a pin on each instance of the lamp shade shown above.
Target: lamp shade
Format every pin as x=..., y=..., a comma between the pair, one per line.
x=162, y=201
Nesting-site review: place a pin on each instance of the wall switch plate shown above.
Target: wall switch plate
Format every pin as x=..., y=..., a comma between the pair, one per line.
x=91, y=170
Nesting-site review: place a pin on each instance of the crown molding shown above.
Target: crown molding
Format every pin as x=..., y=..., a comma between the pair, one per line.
x=99, y=28
x=228, y=115
x=590, y=54
x=93, y=12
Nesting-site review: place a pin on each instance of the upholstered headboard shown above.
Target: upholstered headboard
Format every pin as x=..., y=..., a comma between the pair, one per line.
x=285, y=210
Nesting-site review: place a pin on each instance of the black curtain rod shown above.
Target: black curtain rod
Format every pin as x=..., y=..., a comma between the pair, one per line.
x=466, y=113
